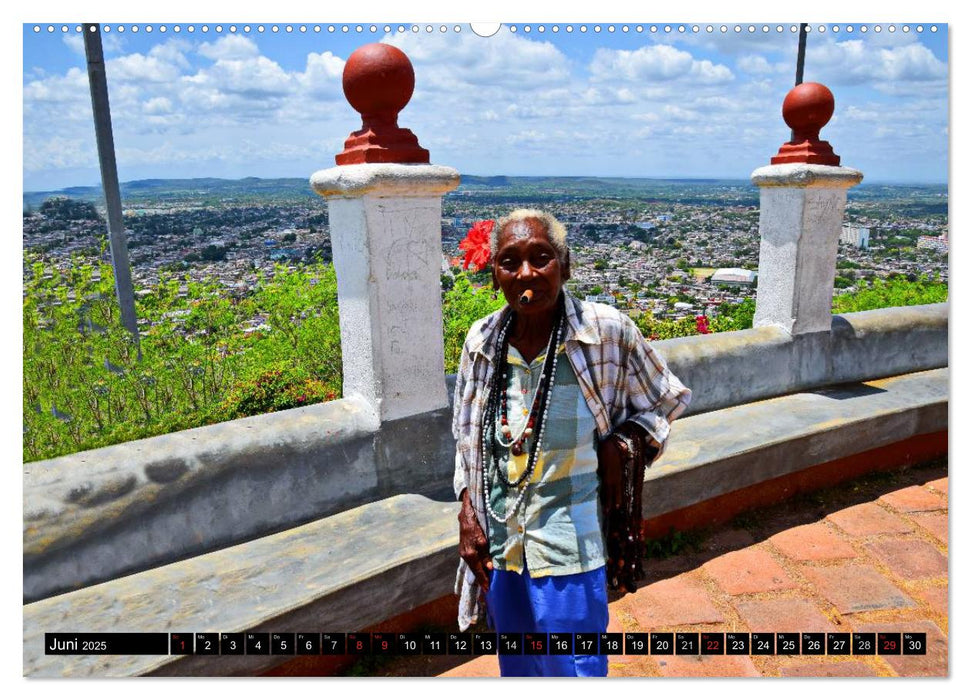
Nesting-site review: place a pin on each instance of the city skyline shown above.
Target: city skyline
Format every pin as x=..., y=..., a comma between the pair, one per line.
x=676, y=104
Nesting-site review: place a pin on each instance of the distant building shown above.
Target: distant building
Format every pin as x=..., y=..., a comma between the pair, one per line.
x=601, y=299
x=938, y=243
x=733, y=277
x=856, y=236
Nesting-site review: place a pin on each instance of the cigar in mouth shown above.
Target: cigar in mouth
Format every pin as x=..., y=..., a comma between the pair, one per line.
x=526, y=297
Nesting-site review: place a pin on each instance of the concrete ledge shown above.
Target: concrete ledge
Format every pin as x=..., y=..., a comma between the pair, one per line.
x=386, y=179
x=93, y=516
x=357, y=568
x=341, y=573
x=730, y=369
x=716, y=453
x=806, y=175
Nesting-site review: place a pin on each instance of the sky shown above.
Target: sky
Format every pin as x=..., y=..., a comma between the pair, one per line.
x=663, y=103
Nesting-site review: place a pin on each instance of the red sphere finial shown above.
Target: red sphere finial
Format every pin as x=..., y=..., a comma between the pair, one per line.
x=378, y=82
x=807, y=108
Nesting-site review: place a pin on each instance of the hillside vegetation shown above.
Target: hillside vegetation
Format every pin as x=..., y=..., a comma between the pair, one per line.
x=207, y=356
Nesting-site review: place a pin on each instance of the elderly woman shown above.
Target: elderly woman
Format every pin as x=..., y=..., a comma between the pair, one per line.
x=550, y=395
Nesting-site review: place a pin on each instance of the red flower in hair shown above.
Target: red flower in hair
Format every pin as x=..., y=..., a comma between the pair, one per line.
x=476, y=245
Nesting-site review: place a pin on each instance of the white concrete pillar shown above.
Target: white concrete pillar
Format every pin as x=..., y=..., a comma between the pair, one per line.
x=801, y=203
x=385, y=227
x=800, y=221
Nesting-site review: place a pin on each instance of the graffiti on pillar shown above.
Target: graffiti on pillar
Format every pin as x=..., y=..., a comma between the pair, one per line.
x=409, y=251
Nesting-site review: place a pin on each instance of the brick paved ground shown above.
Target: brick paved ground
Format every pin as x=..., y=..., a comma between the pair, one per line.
x=867, y=556
x=870, y=555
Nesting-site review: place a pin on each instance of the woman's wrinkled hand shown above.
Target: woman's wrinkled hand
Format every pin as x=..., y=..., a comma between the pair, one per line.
x=473, y=544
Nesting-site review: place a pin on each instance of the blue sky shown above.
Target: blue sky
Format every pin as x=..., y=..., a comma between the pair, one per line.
x=654, y=104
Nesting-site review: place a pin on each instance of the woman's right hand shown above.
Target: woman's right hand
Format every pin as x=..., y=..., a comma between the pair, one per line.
x=473, y=544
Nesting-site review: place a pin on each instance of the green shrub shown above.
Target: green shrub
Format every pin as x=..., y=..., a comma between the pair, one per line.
x=894, y=291
x=84, y=385
x=274, y=390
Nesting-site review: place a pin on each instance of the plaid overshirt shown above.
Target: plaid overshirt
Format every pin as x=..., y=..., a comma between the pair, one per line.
x=621, y=376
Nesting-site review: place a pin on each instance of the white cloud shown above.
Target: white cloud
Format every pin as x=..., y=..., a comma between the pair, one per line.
x=231, y=47
x=234, y=91
x=158, y=105
x=70, y=87
x=655, y=63
x=732, y=43
x=758, y=65
x=59, y=152
x=322, y=76
x=140, y=69
x=172, y=51
x=446, y=62
x=710, y=74
x=75, y=42
x=856, y=62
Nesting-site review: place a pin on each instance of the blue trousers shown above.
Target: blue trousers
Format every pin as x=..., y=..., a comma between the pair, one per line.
x=572, y=603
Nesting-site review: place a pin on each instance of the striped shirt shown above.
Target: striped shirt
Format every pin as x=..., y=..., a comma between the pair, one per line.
x=619, y=374
x=557, y=529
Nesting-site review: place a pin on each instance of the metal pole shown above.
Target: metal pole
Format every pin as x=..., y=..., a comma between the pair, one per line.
x=109, y=177
x=800, y=61
x=801, y=55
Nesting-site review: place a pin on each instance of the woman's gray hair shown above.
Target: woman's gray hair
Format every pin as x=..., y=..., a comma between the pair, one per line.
x=554, y=229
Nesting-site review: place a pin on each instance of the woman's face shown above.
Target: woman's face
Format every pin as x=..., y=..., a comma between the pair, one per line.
x=526, y=260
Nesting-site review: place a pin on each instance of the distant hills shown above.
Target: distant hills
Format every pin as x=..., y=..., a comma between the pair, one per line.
x=219, y=188
x=167, y=189
x=254, y=190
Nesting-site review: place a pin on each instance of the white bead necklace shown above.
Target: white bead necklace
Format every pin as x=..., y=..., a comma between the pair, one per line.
x=523, y=482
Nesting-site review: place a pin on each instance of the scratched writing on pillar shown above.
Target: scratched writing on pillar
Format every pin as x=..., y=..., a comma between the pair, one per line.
x=406, y=259
x=396, y=342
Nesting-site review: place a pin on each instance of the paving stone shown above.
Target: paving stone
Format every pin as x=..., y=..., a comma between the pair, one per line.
x=868, y=519
x=935, y=597
x=934, y=523
x=823, y=669
x=751, y=570
x=934, y=663
x=913, y=499
x=673, y=602
x=640, y=667
x=707, y=667
x=939, y=485
x=910, y=559
x=733, y=538
x=669, y=567
x=479, y=667
x=614, y=625
x=812, y=543
x=784, y=615
x=853, y=588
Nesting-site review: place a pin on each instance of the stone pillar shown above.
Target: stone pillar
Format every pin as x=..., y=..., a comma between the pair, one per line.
x=802, y=200
x=385, y=213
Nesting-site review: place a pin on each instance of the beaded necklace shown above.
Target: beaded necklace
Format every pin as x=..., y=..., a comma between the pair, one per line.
x=495, y=421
